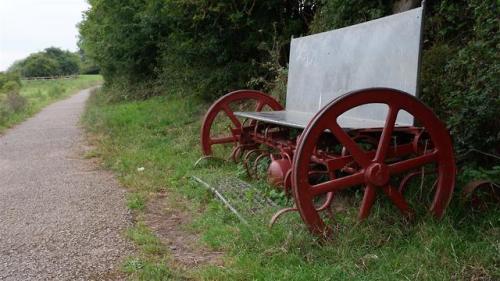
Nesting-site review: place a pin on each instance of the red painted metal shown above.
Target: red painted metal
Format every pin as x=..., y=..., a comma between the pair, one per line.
x=481, y=194
x=324, y=207
x=247, y=158
x=279, y=167
x=372, y=169
x=223, y=105
x=324, y=158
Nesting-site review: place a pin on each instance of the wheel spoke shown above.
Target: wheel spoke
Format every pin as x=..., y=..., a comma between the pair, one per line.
x=260, y=105
x=385, y=138
x=413, y=163
x=219, y=140
x=367, y=203
x=357, y=152
x=231, y=116
x=398, y=199
x=338, y=184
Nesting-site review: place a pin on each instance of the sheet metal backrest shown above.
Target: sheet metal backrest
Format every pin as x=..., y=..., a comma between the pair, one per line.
x=380, y=53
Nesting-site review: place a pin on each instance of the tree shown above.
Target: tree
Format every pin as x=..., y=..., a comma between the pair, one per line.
x=39, y=65
x=218, y=45
x=50, y=62
x=121, y=39
x=68, y=62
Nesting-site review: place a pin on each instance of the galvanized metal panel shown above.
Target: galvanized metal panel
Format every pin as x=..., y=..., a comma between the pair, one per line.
x=379, y=53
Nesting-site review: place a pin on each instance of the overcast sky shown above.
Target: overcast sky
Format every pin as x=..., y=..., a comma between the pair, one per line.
x=28, y=26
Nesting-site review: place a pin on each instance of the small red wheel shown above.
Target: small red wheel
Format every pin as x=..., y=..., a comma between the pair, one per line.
x=234, y=128
x=378, y=166
x=481, y=194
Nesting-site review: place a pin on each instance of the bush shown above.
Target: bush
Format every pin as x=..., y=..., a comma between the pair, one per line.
x=11, y=103
x=48, y=63
x=461, y=72
x=10, y=86
x=209, y=47
x=9, y=78
x=14, y=102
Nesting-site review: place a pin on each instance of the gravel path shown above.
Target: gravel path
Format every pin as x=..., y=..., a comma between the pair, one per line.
x=61, y=218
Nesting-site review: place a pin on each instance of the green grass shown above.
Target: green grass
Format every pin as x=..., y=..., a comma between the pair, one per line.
x=136, y=201
x=162, y=135
x=152, y=262
x=141, y=235
x=40, y=93
x=144, y=269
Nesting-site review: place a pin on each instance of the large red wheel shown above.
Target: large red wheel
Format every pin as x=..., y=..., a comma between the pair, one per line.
x=226, y=106
x=376, y=167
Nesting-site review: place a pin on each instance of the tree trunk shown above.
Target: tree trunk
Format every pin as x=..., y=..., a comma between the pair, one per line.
x=405, y=5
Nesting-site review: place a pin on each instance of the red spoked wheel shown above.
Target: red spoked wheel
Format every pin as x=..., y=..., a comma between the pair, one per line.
x=375, y=167
x=241, y=100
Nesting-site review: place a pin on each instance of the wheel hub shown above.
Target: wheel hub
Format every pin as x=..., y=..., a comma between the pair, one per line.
x=377, y=174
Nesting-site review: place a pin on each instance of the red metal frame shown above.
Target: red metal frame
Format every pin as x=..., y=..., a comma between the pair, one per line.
x=427, y=143
x=222, y=104
x=375, y=170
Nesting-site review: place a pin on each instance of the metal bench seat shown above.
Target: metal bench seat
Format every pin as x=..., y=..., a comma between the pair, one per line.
x=297, y=119
x=294, y=119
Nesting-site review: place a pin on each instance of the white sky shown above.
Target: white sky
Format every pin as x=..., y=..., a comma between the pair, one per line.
x=28, y=26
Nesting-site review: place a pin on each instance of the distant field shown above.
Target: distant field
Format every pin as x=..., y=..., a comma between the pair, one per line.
x=40, y=93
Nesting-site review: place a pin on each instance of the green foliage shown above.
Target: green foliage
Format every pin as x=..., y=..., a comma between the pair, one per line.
x=123, y=37
x=56, y=91
x=10, y=86
x=223, y=45
x=87, y=66
x=461, y=71
x=67, y=62
x=11, y=102
x=153, y=266
x=39, y=65
x=473, y=173
x=147, y=240
x=48, y=63
x=9, y=81
x=208, y=47
x=339, y=13
x=136, y=201
x=140, y=269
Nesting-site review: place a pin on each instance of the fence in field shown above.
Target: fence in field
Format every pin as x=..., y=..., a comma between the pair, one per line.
x=51, y=77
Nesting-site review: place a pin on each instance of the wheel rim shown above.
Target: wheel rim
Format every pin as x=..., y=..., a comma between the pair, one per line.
x=223, y=105
x=374, y=172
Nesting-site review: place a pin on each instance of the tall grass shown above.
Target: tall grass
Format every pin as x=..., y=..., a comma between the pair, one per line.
x=162, y=135
x=36, y=94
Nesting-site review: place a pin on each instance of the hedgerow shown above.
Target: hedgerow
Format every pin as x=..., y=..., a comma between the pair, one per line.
x=207, y=48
